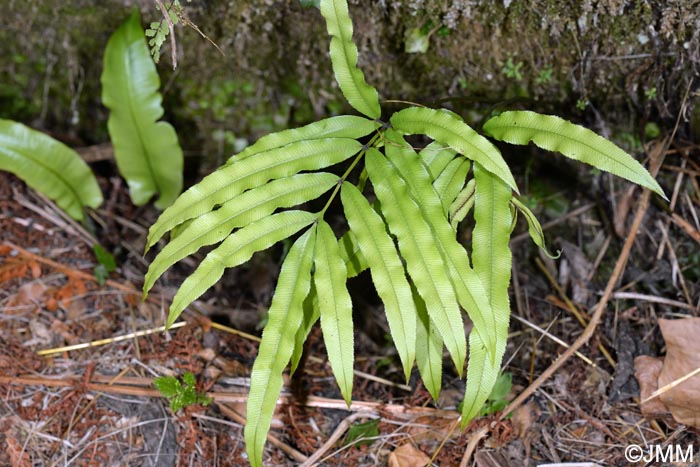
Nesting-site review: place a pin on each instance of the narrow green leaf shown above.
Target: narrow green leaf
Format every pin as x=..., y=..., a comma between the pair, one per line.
x=238, y=248
x=240, y=211
x=387, y=271
x=449, y=129
x=491, y=257
x=336, y=307
x=428, y=348
x=468, y=288
x=417, y=245
x=451, y=181
x=533, y=227
x=233, y=179
x=311, y=314
x=350, y=251
x=343, y=126
x=147, y=151
x=277, y=344
x=573, y=141
x=462, y=204
x=436, y=156
x=48, y=166
x=360, y=95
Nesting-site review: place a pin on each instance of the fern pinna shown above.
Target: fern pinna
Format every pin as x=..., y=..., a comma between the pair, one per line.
x=406, y=237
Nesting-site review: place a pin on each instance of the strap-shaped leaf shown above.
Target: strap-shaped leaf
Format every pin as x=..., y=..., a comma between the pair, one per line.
x=360, y=95
x=252, y=205
x=491, y=257
x=447, y=128
x=533, y=227
x=147, y=151
x=387, y=271
x=310, y=316
x=330, y=277
x=418, y=247
x=436, y=156
x=350, y=251
x=462, y=204
x=468, y=288
x=573, y=141
x=450, y=182
x=233, y=179
x=48, y=166
x=428, y=348
x=238, y=248
x=277, y=344
x=343, y=126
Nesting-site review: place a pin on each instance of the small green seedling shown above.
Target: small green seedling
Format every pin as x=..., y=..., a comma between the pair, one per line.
x=105, y=264
x=497, y=401
x=362, y=433
x=180, y=395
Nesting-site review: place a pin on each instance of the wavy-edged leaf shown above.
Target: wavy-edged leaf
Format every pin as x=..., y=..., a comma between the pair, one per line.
x=330, y=276
x=360, y=95
x=343, y=126
x=310, y=316
x=436, y=156
x=147, y=151
x=277, y=344
x=252, y=205
x=467, y=285
x=534, y=227
x=462, y=204
x=450, y=182
x=387, y=272
x=418, y=247
x=574, y=141
x=48, y=166
x=238, y=248
x=350, y=251
x=491, y=257
x=428, y=349
x=449, y=129
x=233, y=179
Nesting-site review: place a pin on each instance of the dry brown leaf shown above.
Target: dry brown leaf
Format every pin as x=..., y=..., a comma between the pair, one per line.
x=647, y=370
x=408, y=456
x=27, y=299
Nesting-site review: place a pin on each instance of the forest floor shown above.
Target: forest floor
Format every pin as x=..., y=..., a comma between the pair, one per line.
x=94, y=403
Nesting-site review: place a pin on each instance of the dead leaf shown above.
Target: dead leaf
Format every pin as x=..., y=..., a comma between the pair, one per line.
x=408, y=456
x=27, y=299
x=647, y=370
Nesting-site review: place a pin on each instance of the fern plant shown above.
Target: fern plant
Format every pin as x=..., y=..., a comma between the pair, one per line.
x=406, y=237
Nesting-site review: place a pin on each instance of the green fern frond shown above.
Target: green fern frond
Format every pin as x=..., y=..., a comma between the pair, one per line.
x=238, y=248
x=436, y=156
x=233, y=179
x=451, y=181
x=387, y=271
x=277, y=344
x=463, y=203
x=573, y=141
x=449, y=129
x=360, y=95
x=350, y=251
x=312, y=312
x=254, y=204
x=534, y=227
x=429, y=345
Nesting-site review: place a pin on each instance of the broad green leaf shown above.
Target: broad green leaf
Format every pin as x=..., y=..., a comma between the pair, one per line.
x=277, y=344
x=362, y=433
x=468, y=288
x=233, y=179
x=330, y=276
x=418, y=247
x=449, y=129
x=240, y=211
x=436, y=156
x=462, y=204
x=311, y=314
x=238, y=248
x=428, y=349
x=450, y=182
x=534, y=227
x=360, y=95
x=147, y=151
x=48, y=166
x=387, y=271
x=573, y=141
x=350, y=251
x=344, y=126
x=491, y=257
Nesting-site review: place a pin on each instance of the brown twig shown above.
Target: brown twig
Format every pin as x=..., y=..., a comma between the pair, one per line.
x=171, y=28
